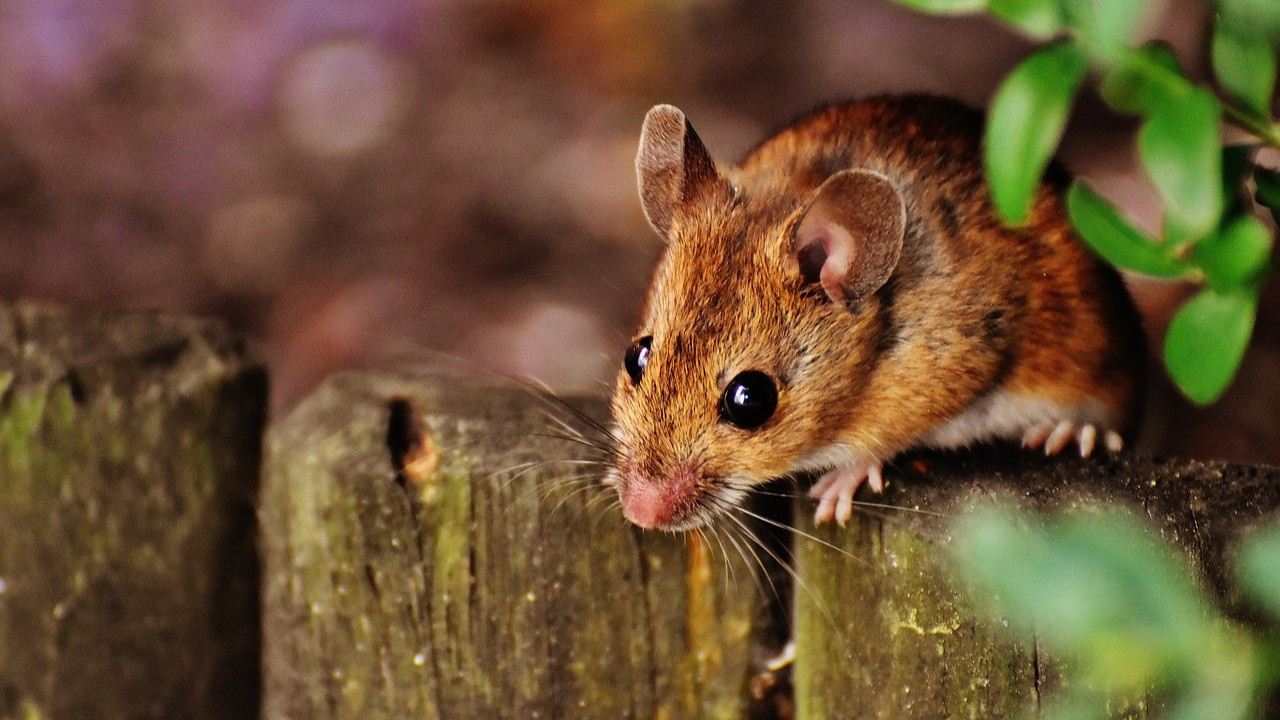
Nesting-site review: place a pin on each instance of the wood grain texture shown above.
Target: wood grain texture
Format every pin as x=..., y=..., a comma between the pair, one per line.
x=432, y=549
x=130, y=449
x=884, y=631
x=490, y=588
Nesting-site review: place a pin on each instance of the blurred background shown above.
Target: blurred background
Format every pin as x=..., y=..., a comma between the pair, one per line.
x=346, y=181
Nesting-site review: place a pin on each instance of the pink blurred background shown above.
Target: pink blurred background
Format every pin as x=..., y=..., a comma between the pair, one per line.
x=343, y=182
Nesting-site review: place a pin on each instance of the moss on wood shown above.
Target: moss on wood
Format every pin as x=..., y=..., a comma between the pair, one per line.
x=494, y=587
x=129, y=459
x=882, y=631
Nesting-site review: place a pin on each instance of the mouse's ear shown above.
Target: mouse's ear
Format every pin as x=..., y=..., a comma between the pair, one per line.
x=850, y=237
x=672, y=166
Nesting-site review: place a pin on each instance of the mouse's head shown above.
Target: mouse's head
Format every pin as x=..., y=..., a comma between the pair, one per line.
x=761, y=327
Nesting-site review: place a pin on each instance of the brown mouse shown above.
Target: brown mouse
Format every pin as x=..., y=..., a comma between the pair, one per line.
x=848, y=292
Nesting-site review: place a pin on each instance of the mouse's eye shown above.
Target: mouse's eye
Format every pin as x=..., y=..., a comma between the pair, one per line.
x=637, y=358
x=749, y=400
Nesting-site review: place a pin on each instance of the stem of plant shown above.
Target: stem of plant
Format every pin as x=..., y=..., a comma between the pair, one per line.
x=1175, y=83
x=1261, y=129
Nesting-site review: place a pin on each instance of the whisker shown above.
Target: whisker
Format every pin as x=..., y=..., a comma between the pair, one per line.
x=856, y=503
x=788, y=565
x=609, y=498
x=790, y=568
x=730, y=573
x=574, y=440
x=583, y=479
x=801, y=533
x=751, y=540
x=550, y=399
x=702, y=532
x=572, y=431
x=570, y=495
x=524, y=469
x=586, y=462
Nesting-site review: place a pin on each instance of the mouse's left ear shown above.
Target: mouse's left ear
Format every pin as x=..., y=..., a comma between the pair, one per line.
x=850, y=237
x=672, y=166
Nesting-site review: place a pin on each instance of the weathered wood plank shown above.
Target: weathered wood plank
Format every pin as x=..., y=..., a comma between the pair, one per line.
x=480, y=581
x=882, y=632
x=481, y=591
x=130, y=447
x=476, y=585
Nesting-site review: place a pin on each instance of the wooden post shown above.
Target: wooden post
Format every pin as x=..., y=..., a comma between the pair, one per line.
x=882, y=631
x=434, y=546
x=481, y=581
x=129, y=458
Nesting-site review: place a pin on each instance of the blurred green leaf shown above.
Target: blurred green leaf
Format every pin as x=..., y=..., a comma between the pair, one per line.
x=1228, y=696
x=1119, y=607
x=1028, y=114
x=1246, y=67
x=1236, y=255
x=1207, y=339
x=1001, y=556
x=1258, y=18
x=1038, y=18
x=1092, y=587
x=1152, y=586
x=1258, y=567
x=1268, y=184
x=1180, y=147
x=945, y=6
x=1143, y=79
x=1072, y=704
x=1118, y=242
x=1114, y=22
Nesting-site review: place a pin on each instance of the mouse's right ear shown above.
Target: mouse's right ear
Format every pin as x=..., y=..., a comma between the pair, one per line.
x=672, y=166
x=849, y=238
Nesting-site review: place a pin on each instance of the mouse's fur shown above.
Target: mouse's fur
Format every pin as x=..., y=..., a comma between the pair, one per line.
x=975, y=331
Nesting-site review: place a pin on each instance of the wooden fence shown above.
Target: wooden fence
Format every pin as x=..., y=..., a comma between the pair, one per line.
x=427, y=547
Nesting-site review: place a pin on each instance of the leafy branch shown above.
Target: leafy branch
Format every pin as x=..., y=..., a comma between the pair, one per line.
x=1121, y=610
x=1210, y=234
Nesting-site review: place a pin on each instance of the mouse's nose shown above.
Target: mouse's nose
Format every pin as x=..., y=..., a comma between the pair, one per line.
x=661, y=501
x=646, y=504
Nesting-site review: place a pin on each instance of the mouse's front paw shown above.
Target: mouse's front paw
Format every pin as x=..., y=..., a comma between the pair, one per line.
x=834, y=491
x=1055, y=437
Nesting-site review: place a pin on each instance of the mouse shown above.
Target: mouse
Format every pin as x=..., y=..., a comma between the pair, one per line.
x=845, y=293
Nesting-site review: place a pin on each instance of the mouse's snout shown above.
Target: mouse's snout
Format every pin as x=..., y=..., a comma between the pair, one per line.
x=646, y=506
x=658, y=502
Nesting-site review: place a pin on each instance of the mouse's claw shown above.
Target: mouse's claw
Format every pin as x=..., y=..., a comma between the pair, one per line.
x=834, y=491
x=1055, y=437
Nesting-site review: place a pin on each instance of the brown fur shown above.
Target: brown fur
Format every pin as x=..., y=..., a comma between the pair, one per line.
x=971, y=307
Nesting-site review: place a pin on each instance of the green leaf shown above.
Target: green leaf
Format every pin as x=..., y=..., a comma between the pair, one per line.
x=1028, y=114
x=1228, y=693
x=1144, y=79
x=1236, y=255
x=1206, y=341
x=1246, y=67
x=1078, y=15
x=945, y=6
x=1258, y=567
x=1257, y=18
x=1094, y=588
x=1075, y=704
x=1118, y=242
x=1268, y=183
x=1037, y=18
x=1180, y=147
x=1114, y=22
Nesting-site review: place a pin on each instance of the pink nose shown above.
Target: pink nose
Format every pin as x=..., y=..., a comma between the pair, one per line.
x=646, y=504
